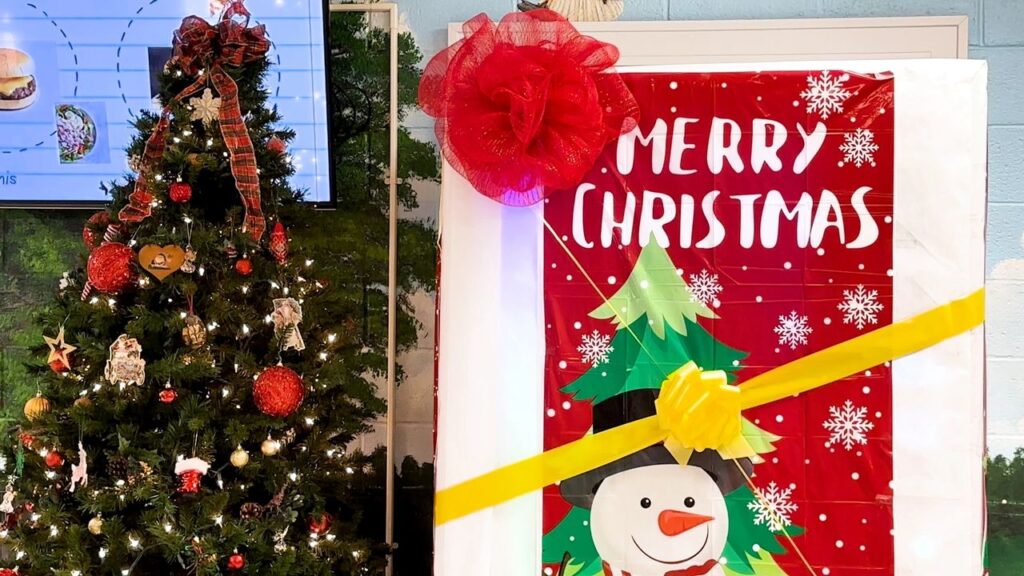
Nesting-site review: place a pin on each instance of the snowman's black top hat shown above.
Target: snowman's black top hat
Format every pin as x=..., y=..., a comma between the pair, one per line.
x=629, y=407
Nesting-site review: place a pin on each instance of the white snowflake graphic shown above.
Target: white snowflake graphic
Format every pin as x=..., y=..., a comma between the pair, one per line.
x=595, y=348
x=848, y=425
x=825, y=94
x=793, y=330
x=859, y=147
x=206, y=108
x=860, y=307
x=705, y=287
x=773, y=507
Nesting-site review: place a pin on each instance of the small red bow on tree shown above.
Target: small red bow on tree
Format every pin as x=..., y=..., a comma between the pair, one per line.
x=199, y=46
x=525, y=107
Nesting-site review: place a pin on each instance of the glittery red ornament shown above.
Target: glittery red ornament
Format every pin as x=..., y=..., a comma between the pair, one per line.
x=189, y=482
x=59, y=367
x=168, y=395
x=54, y=459
x=279, y=243
x=278, y=391
x=8, y=572
x=27, y=440
x=243, y=266
x=319, y=524
x=236, y=561
x=110, y=267
x=95, y=226
x=276, y=145
x=180, y=192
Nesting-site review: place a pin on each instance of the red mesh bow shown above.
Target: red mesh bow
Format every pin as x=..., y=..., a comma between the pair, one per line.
x=201, y=46
x=525, y=107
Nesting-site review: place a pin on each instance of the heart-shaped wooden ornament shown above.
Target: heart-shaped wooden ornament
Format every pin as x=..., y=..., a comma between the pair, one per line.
x=161, y=261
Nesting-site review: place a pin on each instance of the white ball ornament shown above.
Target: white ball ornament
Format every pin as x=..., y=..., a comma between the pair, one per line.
x=239, y=458
x=270, y=447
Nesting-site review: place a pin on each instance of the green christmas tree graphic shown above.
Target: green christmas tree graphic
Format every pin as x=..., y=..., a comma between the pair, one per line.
x=656, y=315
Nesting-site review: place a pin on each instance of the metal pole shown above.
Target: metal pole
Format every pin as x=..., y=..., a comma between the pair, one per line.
x=389, y=522
x=392, y=351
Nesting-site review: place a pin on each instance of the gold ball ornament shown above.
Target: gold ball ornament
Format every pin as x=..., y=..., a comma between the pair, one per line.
x=36, y=407
x=239, y=458
x=83, y=402
x=96, y=526
x=270, y=447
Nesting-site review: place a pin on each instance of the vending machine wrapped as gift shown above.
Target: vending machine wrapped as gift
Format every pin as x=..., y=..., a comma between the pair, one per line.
x=746, y=341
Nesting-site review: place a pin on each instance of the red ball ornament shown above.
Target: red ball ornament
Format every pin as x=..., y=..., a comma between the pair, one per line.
x=54, y=459
x=243, y=266
x=58, y=367
x=278, y=391
x=236, y=561
x=279, y=243
x=276, y=145
x=319, y=524
x=180, y=192
x=188, y=482
x=8, y=572
x=168, y=395
x=110, y=267
x=95, y=227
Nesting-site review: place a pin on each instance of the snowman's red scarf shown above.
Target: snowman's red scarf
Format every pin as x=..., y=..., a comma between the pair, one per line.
x=691, y=571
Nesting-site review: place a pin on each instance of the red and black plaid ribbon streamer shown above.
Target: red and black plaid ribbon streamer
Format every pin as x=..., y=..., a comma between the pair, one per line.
x=198, y=47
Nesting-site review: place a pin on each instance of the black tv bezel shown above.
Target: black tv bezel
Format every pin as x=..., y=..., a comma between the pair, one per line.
x=319, y=205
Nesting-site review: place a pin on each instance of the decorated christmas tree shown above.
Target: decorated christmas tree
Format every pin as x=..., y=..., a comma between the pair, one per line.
x=657, y=315
x=205, y=373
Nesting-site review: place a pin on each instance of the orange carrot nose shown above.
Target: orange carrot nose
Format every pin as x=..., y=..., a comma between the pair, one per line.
x=674, y=522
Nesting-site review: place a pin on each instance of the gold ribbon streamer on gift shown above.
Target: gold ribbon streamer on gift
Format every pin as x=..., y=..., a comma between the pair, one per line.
x=813, y=371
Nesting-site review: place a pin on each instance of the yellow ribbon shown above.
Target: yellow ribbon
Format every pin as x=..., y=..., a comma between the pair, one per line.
x=700, y=410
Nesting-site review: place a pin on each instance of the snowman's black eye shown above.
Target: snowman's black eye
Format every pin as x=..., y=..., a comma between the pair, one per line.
x=690, y=502
x=645, y=503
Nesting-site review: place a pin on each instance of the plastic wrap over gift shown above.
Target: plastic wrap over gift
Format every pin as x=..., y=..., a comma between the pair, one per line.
x=745, y=222
x=750, y=219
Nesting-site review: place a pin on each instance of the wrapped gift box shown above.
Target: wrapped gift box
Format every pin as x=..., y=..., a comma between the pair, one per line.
x=752, y=218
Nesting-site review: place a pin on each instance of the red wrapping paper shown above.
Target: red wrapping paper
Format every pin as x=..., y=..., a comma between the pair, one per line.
x=834, y=288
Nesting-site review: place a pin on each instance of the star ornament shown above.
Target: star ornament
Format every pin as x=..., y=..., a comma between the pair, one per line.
x=59, y=349
x=205, y=108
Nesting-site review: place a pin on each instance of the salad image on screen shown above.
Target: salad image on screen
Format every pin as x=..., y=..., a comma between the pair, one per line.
x=17, y=83
x=76, y=133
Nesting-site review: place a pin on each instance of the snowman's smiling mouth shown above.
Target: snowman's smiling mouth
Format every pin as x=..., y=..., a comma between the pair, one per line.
x=707, y=536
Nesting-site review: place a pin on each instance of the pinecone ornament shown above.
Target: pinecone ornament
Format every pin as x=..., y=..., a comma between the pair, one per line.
x=250, y=511
x=117, y=467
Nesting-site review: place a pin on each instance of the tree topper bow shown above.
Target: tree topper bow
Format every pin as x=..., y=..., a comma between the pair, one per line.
x=203, y=49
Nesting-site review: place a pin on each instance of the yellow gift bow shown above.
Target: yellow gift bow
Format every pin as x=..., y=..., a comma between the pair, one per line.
x=699, y=411
x=695, y=400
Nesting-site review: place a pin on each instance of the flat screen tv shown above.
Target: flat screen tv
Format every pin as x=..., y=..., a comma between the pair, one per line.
x=73, y=75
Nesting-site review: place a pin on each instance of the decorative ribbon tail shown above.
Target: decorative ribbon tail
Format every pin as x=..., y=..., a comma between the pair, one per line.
x=140, y=201
x=242, y=155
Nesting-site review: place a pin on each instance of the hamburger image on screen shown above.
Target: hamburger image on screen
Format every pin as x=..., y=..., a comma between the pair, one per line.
x=17, y=80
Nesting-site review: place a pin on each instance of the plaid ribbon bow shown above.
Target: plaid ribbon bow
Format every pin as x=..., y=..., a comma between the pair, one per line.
x=200, y=46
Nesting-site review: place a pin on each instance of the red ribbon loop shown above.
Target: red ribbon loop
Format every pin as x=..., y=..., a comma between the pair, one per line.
x=202, y=47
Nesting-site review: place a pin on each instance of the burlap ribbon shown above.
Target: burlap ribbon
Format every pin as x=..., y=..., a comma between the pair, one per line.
x=203, y=49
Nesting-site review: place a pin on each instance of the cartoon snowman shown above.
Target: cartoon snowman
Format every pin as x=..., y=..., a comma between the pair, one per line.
x=650, y=516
